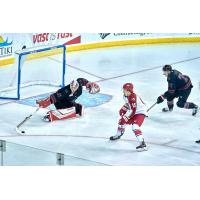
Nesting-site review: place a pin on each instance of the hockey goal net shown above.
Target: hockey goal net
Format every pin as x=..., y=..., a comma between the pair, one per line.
x=40, y=67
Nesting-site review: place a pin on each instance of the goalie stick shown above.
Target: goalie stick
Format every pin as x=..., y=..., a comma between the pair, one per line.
x=22, y=122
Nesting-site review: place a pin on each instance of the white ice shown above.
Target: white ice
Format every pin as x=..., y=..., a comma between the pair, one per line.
x=84, y=141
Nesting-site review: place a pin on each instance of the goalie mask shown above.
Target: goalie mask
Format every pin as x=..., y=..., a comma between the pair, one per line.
x=74, y=86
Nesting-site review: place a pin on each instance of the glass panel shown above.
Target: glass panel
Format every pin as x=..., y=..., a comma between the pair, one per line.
x=20, y=155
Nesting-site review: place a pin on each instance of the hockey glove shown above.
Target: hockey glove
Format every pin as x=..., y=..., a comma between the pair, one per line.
x=92, y=88
x=123, y=110
x=160, y=99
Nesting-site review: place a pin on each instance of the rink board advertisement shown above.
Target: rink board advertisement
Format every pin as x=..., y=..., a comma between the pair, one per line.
x=102, y=37
x=11, y=42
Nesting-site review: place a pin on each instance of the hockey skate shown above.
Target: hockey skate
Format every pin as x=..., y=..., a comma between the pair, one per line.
x=142, y=147
x=195, y=111
x=198, y=141
x=116, y=137
x=46, y=118
x=167, y=110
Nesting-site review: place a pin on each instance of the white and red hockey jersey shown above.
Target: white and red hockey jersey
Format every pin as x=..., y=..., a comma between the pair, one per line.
x=135, y=105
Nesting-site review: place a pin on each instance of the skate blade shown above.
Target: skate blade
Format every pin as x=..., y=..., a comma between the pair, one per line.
x=197, y=113
x=142, y=149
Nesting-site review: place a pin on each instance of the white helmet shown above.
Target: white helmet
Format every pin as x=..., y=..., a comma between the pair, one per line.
x=74, y=85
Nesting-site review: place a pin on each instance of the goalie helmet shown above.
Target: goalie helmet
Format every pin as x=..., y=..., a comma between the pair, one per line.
x=128, y=87
x=74, y=85
x=167, y=68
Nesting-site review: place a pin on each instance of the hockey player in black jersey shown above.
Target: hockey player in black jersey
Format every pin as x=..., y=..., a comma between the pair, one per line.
x=179, y=86
x=64, y=100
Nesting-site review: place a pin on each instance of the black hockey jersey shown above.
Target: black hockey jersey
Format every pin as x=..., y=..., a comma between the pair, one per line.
x=65, y=94
x=177, y=82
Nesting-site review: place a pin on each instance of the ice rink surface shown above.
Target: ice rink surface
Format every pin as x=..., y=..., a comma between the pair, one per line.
x=170, y=136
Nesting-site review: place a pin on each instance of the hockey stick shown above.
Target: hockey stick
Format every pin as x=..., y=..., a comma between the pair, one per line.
x=26, y=119
x=151, y=107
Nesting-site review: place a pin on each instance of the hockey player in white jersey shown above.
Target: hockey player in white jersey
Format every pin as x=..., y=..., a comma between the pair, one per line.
x=133, y=112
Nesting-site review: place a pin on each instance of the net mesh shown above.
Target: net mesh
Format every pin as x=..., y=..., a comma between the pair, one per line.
x=32, y=68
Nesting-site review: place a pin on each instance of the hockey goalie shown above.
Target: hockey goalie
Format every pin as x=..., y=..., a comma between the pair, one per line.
x=64, y=100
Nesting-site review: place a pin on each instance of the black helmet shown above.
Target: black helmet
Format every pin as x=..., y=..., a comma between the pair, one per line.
x=167, y=68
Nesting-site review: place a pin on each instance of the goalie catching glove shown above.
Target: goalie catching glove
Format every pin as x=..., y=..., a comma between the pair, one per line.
x=92, y=88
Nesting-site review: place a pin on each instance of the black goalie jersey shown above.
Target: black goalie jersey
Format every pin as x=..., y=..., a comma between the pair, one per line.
x=64, y=97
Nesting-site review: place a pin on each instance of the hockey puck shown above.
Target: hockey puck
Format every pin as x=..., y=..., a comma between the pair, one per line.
x=19, y=131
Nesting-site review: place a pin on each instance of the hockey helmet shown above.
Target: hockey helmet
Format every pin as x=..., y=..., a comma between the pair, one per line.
x=128, y=86
x=167, y=68
x=74, y=85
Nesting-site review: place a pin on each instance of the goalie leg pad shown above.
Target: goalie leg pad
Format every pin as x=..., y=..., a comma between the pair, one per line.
x=62, y=114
